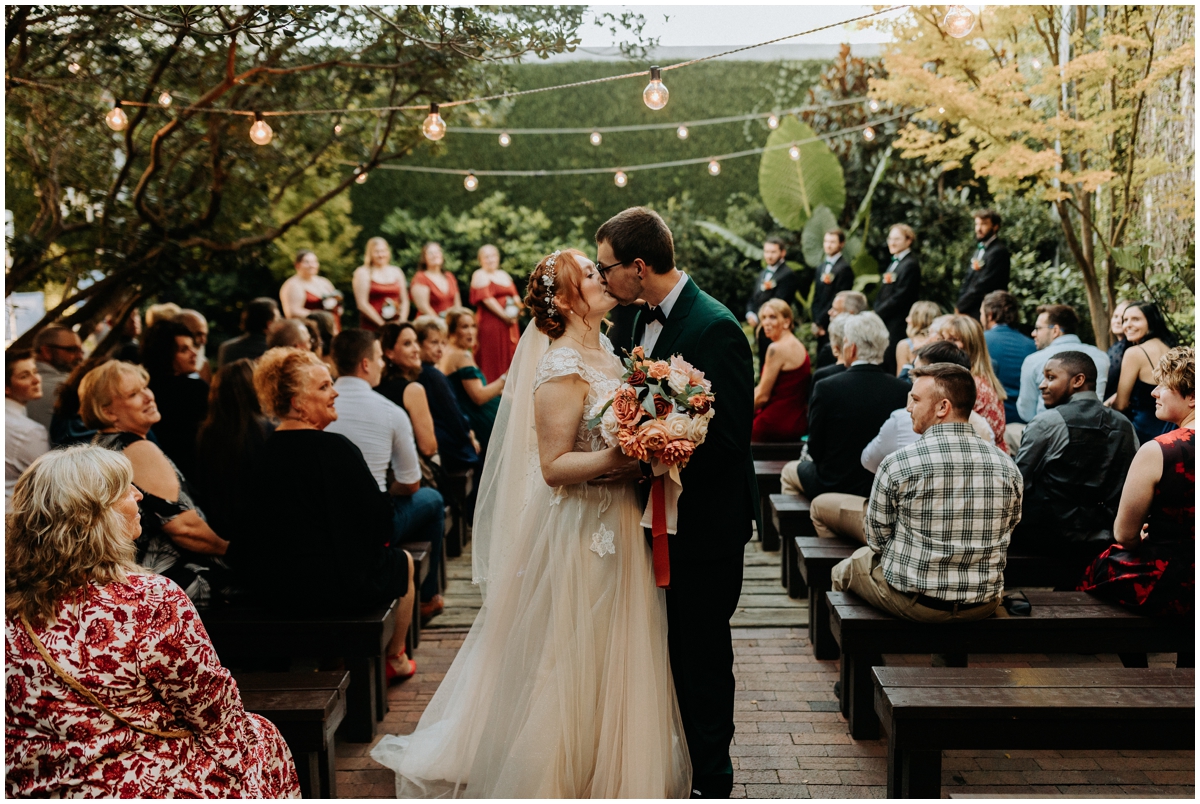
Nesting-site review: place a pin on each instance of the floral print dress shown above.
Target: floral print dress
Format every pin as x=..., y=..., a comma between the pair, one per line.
x=141, y=649
x=989, y=406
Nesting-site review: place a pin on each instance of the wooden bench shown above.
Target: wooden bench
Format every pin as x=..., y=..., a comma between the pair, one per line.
x=925, y=710
x=1060, y=622
x=780, y=451
x=767, y=474
x=456, y=489
x=420, y=555
x=789, y=514
x=307, y=708
x=252, y=634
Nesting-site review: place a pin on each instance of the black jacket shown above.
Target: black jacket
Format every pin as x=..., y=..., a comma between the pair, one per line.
x=840, y=278
x=845, y=413
x=993, y=275
x=896, y=297
x=251, y=345
x=784, y=285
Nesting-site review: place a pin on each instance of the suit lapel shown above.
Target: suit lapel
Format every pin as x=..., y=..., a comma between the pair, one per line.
x=675, y=321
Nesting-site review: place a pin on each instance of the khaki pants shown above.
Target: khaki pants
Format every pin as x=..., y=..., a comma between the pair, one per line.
x=862, y=575
x=789, y=480
x=1012, y=438
x=836, y=515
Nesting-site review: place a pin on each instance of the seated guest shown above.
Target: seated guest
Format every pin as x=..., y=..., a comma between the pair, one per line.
x=1148, y=339
x=230, y=440
x=402, y=368
x=258, y=316
x=916, y=326
x=1151, y=568
x=176, y=542
x=967, y=334
x=1116, y=329
x=24, y=439
x=845, y=413
x=921, y=563
x=1054, y=332
x=169, y=356
x=161, y=312
x=457, y=446
x=197, y=324
x=127, y=346
x=383, y=433
x=324, y=552
x=58, y=351
x=81, y=613
x=837, y=332
x=289, y=332
x=322, y=328
x=1073, y=460
x=845, y=302
x=66, y=425
x=837, y=514
x=1007, y=347
x=479, y=401
x=781, y=397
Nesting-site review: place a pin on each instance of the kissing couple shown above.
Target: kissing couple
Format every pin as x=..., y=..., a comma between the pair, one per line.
x=581, y=678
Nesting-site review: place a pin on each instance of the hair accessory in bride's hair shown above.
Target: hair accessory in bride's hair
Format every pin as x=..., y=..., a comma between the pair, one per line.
x=548, y=280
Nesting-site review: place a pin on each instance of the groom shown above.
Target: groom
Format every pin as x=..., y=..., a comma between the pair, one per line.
x=636, y=260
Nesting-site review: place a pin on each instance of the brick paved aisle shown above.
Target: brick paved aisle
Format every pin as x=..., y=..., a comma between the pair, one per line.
x=791, y=741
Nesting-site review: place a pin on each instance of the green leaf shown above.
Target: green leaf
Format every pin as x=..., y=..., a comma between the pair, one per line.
x=861, y=282
x=852, y=249
x=793, y=189
x=749, y=250
x=864, y=264
x=865, y=206
x=812, y=239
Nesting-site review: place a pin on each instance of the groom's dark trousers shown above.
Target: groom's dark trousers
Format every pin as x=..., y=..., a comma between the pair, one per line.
x=716, y=510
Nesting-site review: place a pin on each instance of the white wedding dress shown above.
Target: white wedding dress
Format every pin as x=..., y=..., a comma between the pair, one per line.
x=563, y=686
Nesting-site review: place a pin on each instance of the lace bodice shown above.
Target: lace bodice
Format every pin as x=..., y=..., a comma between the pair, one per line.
x=564, y=361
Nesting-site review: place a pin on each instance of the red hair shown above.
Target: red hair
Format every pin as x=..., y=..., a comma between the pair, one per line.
x=565, y=291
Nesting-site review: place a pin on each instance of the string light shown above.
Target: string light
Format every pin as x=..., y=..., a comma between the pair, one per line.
x=73, y=68
x=471, y=183
x=794, y=152
x=1036, y=63
x=682, y=132
x=505, y=140
x=361, y=177
x=260, y=132
x=620, y=179
x=941, y=110
x=772, y=122
x=595, y=138
x=873, y=105
x=116, y=118
x=868, y=134
x=434, y=127
x=164, y=100
x=337, y=130
x=655, y=94
x=959, y=21
x=714, y=168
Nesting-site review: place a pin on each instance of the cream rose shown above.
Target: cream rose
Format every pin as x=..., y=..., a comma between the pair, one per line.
x=679, y=425
x=610, y=425
x=698, y=428
x=677, y=380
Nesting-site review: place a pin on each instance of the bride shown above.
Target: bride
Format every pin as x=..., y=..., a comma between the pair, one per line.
x=563, y=686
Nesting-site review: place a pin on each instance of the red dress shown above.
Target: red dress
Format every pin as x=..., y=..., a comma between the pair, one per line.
x=989, y=406
x=785, y=416
x=385, y=299
x=497, y=340
x=141, y=649
x=1158, y=576
x=440, y=300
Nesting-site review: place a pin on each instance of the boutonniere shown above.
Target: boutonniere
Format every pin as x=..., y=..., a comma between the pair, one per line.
x=768, y=285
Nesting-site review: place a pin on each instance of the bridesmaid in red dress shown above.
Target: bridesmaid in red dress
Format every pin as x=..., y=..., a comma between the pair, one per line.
x=379, y=290
x=307, y=290
x=434, y=290
x=781, y=396
x=498, y=304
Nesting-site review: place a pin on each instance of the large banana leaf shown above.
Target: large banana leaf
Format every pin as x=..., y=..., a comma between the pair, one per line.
x=749, y=250
x=793, y=189
x=813, y=236
x=860, y=217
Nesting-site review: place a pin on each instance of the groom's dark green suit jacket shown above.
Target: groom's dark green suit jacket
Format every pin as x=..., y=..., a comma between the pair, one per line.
x=720, y=493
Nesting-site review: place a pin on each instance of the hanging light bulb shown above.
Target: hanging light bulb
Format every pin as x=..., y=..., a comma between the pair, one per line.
x=655, y=94
x=620, y=179
x=869, y=134
x=116, y=118
x=260, y=132
x=959, y=21
x=73, y=68
x=164, y=100
x=362, y=179
x=434, y=127
x=794, y=152
x=505, y=140
x=941, y=110
x=772, y=122
x=471, y=183
x=873, y=105
x=1036, y=63
x=337, y=130
x=681, y=132
x=595, y=138
x=714, y=168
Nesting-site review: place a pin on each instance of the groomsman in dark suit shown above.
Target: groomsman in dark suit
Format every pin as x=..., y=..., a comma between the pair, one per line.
x=989, y=267
x=834, y=275
x=779, y=280
x=901, y=287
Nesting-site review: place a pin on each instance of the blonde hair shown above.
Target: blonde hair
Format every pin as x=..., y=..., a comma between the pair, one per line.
x=969, y=332
x=279, y=376
x=100, y=387
x=781, y=308
x=1177, y=370
x=453, y=315
x=922, y=314
x=161, y=312
x=905, y=230
x=374, y=241
x=63, y=529
x=424, y=324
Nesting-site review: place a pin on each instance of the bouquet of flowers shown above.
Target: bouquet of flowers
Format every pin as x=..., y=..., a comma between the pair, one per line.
x=659, y=414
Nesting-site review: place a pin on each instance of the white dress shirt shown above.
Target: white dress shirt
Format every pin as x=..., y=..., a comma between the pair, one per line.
x=897, y=432
x=379, y=428
x=24, y=442
x=654, y=328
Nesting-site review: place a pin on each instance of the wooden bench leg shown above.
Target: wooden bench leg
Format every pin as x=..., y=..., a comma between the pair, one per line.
x=858, y=695
x=820, y=637
x=920, y=773
x=769, y=536
x=327, y=762
x=453, y=540
x=308, y=773
x=359, y=725
x=796, y=587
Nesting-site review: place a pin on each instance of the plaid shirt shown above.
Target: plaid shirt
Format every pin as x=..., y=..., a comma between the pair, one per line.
x=941, y=513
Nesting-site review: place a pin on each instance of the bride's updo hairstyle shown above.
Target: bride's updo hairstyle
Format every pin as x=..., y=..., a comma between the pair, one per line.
x=549, y=302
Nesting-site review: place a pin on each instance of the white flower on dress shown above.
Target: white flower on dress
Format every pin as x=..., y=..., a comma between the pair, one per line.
x=602, y=542
x=609, y=425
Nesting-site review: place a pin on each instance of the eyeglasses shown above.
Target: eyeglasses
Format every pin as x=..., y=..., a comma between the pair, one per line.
x=71, y=349
x=604, y=269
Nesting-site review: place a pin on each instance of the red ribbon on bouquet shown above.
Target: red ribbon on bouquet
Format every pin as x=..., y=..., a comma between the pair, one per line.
x=662, y=554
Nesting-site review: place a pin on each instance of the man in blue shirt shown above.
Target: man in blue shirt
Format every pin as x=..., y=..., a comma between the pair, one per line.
x=1054, y=332
x=1007, y=347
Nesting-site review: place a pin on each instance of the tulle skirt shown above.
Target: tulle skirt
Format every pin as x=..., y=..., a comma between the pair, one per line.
x=563, y=686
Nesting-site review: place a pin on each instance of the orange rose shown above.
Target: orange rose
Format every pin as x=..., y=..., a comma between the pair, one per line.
x=630, y=441
x=677, y=452
x=653, y=436
x=638, y=352
x=627, y=407
x=659, y=369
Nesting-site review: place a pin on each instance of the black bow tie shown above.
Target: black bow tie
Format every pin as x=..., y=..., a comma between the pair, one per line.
x=651, y=314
